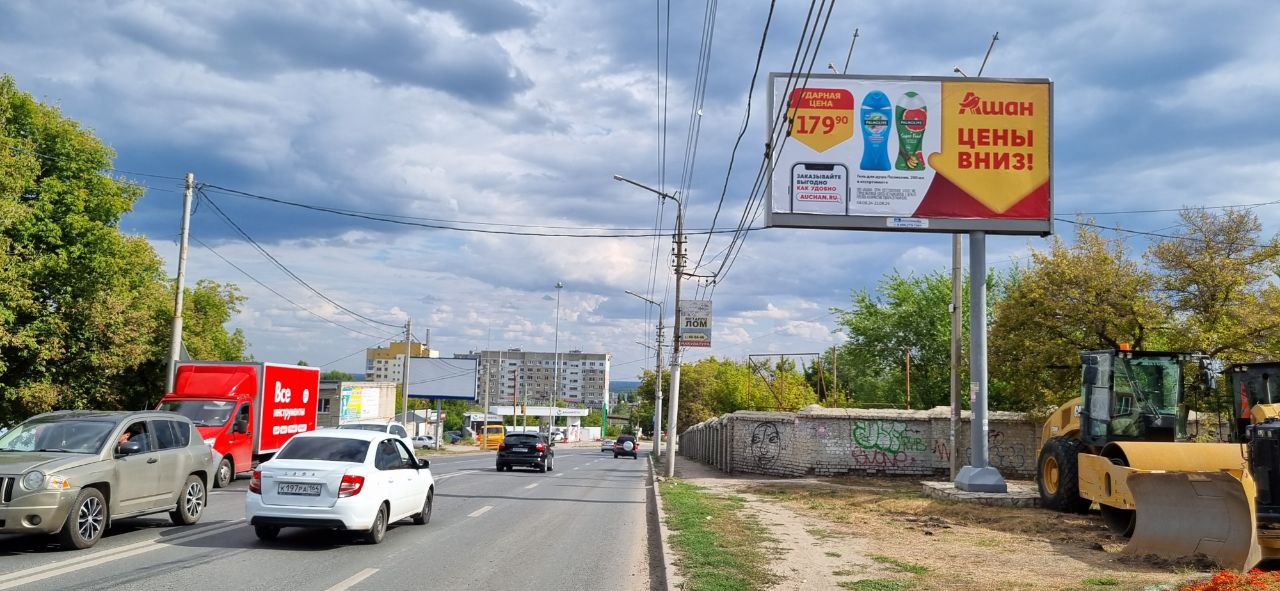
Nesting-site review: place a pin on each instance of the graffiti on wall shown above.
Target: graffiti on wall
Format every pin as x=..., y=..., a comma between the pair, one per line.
x=885, y=444
x=1003, y=451
x=766, y=444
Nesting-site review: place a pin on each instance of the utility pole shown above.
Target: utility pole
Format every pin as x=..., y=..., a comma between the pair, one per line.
x=672, y=424
x=484, y=441
x=555, y=381
x=175, y=340
x=404, y=369
x=678, y=239
x=657, y=380
x=907, y=351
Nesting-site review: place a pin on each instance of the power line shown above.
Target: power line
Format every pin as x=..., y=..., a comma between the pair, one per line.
x=1183, y=208
x=282, y=296
x=379, y=218
x=746, y=121
x=353, y=353
x=286, y=269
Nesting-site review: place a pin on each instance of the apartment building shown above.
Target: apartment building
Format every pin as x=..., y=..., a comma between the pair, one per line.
x=385, y=364
x=513, y=376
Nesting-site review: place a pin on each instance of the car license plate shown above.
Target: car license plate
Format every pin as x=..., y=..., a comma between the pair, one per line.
x=305, y=490
x=520, y=449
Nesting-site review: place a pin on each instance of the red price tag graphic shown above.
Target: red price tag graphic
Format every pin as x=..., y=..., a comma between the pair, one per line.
x=821, y=118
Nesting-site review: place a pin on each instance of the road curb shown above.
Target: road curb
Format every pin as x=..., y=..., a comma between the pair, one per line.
x=671, y=580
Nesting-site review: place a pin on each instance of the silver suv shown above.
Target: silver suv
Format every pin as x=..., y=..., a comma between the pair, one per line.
x=71, y=472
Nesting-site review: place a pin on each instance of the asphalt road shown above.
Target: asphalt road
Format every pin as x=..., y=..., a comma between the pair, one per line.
x=580, y=527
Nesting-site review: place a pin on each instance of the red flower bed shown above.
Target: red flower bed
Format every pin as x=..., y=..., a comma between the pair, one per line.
x=1254, y=580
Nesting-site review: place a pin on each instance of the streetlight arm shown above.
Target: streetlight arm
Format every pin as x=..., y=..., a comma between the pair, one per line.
x=647, y=188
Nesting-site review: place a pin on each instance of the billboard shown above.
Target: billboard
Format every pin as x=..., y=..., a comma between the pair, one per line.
x=435, y=377
x=695, y=323
x=360, y=402
x=923, y=154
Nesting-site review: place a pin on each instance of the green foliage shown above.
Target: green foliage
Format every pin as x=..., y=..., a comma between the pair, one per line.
x=876, y=585
x=1072, y=298
x=899, y=565
x=337, y=375
x=905, y=315
x=85, y=310
x=712, y=386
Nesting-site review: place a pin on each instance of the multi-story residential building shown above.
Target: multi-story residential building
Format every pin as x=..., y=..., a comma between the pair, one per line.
x=515, y=376
x=384, y=364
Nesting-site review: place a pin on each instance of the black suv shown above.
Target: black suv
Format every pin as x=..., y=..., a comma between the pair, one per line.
x=620, y=447
x=526, y=449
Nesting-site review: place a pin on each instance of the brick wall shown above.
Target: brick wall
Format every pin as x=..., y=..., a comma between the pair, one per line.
x=823, y=442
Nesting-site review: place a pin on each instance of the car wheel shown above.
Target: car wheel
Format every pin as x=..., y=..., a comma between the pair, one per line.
x=266, y=533
x=191, y=502
x=499, y=467
x=615, y=456
x=510, y=468
x=86, y=522
x=551, y=463
x=225, y=474
x=424, y=517
x=379, y=528
x=543, y=467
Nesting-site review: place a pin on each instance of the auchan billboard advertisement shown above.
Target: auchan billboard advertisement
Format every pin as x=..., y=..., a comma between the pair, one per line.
x=912, y=153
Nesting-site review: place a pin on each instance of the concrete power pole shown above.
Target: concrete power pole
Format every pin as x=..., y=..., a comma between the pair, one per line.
x=672, y=425
x=404, y=370
x=657, y=392
x=175, y=340
x=484, y=442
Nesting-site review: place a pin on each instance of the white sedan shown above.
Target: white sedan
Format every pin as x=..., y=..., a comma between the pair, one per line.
x=340, y=479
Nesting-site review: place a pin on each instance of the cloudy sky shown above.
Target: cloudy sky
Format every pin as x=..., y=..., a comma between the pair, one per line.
x=513, y=115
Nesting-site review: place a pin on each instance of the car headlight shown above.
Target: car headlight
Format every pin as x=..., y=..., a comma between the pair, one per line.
x=210, y=441
x=33, y=480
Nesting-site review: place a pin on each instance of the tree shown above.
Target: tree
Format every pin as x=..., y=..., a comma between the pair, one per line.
x=84, y=308
x=1218, y=276
x=905, y=316
x=712, y=387
x=337, y=376
x=1071, y=298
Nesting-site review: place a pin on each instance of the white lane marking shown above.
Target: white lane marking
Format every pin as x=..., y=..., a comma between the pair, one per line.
x=452, y=474
x=32, y=575
x=480, y=511
x=576, y=467
x=348, y=582
x=532, y=485
x=557, y=474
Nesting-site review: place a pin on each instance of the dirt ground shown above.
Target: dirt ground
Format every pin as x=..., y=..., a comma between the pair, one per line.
x=883, y=533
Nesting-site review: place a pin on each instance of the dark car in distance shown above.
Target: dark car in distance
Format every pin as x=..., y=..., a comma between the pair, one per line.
x=626, y=445
x=526, y=449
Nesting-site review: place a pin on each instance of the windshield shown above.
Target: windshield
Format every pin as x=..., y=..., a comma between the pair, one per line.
x=328, y=449
x=67, y=436
x=1156, y=381
x=204, y=413
x=366, y=427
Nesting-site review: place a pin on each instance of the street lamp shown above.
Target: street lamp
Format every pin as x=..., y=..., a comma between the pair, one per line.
x=675, y=337
x=657, y=380
x=555, y=381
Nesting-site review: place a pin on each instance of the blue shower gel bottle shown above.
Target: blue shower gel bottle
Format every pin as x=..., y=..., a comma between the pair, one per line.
x=877, y=122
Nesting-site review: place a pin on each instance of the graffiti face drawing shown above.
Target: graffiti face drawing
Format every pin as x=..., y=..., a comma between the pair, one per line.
x=766, y=444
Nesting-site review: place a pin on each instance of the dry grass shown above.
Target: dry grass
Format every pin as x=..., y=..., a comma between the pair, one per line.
x=944, y=545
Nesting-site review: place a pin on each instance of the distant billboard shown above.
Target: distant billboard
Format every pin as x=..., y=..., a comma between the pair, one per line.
x=434, y=377
x=906, y=153
x=695, y=323
x=360, y=402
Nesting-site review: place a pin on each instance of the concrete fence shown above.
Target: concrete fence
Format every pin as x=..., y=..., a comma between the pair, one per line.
x=825, y=441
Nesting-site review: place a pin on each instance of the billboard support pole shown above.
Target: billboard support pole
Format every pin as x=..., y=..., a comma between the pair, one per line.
x=979, y=475
x=957, y=328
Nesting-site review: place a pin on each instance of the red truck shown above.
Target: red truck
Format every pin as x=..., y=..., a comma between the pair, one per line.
x=245, y=410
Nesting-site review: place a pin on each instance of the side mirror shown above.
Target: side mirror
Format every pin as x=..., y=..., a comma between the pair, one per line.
x=130, y=448
x=424, y=463
x=240, y=427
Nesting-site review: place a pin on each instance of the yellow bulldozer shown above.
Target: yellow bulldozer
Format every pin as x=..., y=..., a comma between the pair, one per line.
x=1123, y=444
